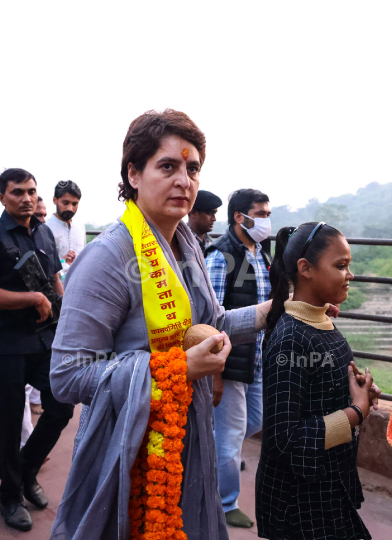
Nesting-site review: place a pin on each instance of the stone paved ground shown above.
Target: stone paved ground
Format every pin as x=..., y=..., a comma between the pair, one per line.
x=376, y=512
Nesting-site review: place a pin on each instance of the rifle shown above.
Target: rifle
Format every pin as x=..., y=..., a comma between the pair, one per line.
x=34, y=277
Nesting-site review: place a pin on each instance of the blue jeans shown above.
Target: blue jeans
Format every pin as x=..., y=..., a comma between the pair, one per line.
x=239, y=415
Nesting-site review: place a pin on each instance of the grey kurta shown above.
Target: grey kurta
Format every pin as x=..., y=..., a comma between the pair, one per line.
x=102, y=343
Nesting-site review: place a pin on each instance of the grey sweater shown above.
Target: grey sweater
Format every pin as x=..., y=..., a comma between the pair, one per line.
x=101, y=357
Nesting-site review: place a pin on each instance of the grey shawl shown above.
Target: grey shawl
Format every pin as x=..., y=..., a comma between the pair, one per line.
x=101, y=358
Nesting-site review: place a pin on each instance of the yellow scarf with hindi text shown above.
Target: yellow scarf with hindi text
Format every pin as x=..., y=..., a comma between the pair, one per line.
x=166, y=305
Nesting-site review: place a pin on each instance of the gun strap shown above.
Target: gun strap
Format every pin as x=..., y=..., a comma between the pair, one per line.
x=11, y=248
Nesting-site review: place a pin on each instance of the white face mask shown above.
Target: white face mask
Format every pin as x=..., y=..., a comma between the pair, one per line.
x=260, y=230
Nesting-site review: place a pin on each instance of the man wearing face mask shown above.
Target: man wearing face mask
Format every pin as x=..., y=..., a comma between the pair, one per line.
x=70, y=237
x=238, y=264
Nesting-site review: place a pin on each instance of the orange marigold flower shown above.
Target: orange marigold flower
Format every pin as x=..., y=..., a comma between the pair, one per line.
x=182, y=409
x=155, y=405
x=182, y=420
x=175, y=468
x=155, y=492
x=182, y=398
x=173, y=445
x=174, y=510
x=174, y=480
x=156, y=462
x=135, y=490
x=162, y=375
x=136, y=480
x=158, y=360
x=172, y=431
x=174, y=500
x=155, y=516
x=135, y=526
x=155, y=489
x=157, y=535
x=152, y=526
x=137, y=513
x=179, y=378
x=170, y=531
x=180, y=388
x=167, y=397
x=170, y=407
x=156, y=502
x=157, y=476
x=173, y=457
x=179, y=361
x=158, y=426
x=179, y=535
x=172, y=418
x=174, y=521
x=165, y=385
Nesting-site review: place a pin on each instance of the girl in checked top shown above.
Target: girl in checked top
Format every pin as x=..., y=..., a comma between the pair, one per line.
x=307, y=485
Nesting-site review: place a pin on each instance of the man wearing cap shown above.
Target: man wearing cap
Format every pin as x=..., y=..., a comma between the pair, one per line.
x=202, y=217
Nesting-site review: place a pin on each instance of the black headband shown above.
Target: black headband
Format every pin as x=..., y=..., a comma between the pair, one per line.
x=311, y=236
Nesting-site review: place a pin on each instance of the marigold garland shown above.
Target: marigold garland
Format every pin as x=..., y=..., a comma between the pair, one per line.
x=156, y=475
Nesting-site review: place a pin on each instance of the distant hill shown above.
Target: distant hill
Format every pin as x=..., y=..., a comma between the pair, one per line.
x=368, y=213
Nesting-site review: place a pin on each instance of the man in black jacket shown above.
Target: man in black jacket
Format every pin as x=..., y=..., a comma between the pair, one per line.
x=25, y=354
x=238, y=265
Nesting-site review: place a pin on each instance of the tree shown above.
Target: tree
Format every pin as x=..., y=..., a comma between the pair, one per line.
x=335, y=215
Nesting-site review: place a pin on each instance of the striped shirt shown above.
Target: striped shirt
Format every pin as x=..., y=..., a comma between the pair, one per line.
x=216, y=266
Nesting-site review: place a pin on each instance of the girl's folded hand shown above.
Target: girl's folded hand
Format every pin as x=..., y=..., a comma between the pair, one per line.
x=360, y=395
x=374, y=392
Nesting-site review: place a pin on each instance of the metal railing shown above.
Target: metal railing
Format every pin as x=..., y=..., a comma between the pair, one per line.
x=347, y=314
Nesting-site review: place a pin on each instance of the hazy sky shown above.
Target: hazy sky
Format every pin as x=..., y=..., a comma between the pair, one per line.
x=295, y=98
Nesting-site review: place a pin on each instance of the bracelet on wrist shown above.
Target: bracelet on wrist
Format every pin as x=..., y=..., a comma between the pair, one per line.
x=358, y=410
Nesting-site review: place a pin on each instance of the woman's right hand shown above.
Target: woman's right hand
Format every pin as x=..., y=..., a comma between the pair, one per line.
x=360, y=395
x=201, y=361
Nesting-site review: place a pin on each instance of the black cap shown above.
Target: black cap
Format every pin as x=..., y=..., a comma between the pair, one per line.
x=206, y=200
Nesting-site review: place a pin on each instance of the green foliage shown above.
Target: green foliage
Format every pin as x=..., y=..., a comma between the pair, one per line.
x=89, y=227
x=378, y=267
x=375, y=260
x=361, y=342
x=381, y=371
x=365, y=214
x=355, y=299
x=333, y=214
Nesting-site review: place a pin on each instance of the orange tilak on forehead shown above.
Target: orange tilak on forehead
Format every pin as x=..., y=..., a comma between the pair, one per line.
x=185, y=153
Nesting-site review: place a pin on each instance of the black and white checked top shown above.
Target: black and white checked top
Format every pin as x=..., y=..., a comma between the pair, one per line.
x=304, y=492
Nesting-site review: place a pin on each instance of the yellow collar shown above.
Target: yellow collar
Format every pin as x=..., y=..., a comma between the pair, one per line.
x=312, y=315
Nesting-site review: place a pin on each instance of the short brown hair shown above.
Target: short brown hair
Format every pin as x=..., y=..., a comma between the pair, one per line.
x=144, y=137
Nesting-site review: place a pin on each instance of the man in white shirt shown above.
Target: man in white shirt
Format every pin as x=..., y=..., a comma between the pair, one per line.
x=70, y=237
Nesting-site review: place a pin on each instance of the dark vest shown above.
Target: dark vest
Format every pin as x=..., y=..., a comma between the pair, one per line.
x=241, y=291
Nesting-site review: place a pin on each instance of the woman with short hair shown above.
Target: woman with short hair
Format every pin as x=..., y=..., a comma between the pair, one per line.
x=106, y=334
